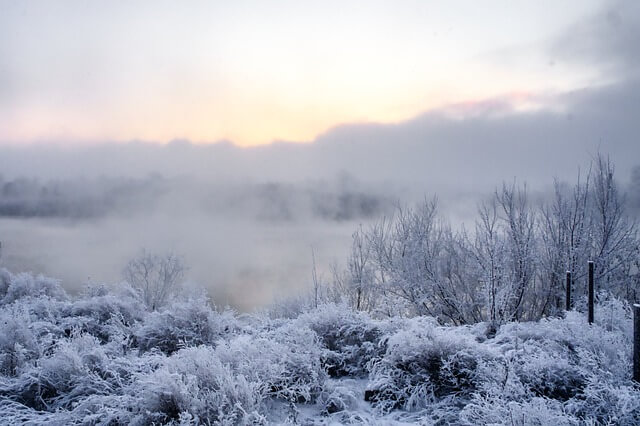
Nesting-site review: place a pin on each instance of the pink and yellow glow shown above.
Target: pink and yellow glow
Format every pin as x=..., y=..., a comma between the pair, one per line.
x=253, y=74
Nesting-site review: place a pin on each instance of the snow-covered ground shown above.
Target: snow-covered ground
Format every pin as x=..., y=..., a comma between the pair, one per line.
x=102, y=359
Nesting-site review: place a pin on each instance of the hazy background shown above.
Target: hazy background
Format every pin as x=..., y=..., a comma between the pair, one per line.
x=78, y=205
x=246, y=219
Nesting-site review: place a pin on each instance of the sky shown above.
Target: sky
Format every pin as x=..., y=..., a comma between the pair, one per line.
x=254, y=72
x=242, y=135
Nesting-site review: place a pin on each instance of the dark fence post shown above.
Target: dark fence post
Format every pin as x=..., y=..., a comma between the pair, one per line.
x=591, y=296
x=636, y=342
x=568, y=304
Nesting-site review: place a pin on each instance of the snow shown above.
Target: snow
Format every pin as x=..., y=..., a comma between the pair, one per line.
x=99, y=359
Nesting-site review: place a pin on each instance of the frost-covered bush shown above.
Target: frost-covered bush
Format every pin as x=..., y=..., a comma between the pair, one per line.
x=424, y=362
x=541, y=360
x=26, y=285
x=607, y=403
x=351, y=339
x=194, y=384
x=600, y=404
x=5, y=281
x=77, y=368
x=560, y=370
x=18, y=344
x=98, y=359
x=538, y=411
x=183, y=323
x=340, y=397
x=103, y=316
x=579, y=347
x=614, y=314
x=286, y=360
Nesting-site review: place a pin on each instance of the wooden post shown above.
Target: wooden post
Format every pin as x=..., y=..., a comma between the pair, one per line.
x=591, y=291
x=568, y=301
x=636, y=342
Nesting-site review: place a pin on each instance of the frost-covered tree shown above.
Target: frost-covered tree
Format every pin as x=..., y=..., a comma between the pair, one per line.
x=408, y=257
x=356, y=284
x=511, y=266
x=488, y=249
x=518, y=223
x=565, y=235
x=156, y=277
x=614, y=239
x=412, y=263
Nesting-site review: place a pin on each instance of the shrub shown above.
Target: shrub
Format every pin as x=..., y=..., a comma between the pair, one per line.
x=194, y=384
x=77, y=368
x=25, y=285
x=424, y=362
x=340, y=398
x=182, y=324
x=351, y=339
x=537, y=411
x=18, y=344
x=104, y=316
x=286, y=360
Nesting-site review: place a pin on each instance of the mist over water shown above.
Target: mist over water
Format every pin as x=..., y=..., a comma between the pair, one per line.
x=245, y=242
x=246, y=219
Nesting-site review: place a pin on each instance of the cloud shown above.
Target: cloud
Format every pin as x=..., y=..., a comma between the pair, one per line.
x=246, y=218
x=607, y=40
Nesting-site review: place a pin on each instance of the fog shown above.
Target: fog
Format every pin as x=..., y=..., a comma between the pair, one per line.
x=243, y=241
x=247, y=219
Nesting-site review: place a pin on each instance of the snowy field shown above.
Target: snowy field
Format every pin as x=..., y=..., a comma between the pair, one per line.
x=101, y=359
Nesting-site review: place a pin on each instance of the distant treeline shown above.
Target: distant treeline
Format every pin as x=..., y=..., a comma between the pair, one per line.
x=99, y=197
